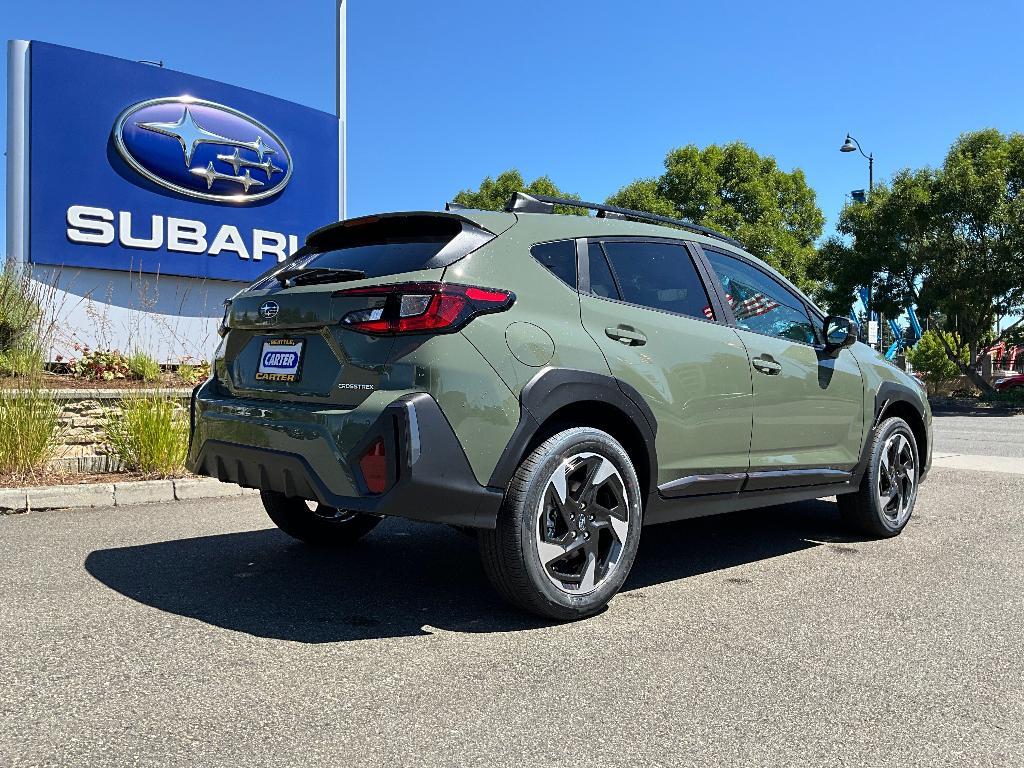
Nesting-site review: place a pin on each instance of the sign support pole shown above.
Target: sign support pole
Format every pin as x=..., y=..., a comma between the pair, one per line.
x=342, y=108
x=18, y=85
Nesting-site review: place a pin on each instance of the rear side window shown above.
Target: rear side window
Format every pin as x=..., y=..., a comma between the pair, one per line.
x=660, y=276
x=601, y=281
x=559, y=258
x=760, y=303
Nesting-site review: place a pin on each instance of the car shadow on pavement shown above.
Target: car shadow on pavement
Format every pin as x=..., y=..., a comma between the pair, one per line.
x=406, y=579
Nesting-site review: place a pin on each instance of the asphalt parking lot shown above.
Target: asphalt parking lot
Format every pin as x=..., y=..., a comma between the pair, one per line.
x=195, y=634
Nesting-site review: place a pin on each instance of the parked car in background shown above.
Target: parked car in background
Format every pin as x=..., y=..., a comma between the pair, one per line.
x=1007, y=383
x=553, y=382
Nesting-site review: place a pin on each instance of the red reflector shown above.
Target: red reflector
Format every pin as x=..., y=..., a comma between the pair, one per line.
x=482, y=294
x=374, y=466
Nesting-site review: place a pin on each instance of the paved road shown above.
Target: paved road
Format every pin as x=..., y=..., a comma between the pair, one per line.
x=193, y=634
x=980, y=435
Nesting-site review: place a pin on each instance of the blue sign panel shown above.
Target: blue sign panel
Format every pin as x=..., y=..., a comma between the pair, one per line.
x=139, y=168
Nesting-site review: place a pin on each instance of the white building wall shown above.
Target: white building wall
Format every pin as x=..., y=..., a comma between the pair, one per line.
x=168, y=317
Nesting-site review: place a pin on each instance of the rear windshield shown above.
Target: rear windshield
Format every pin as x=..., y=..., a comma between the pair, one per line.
x=380, y=259
x=379, y=247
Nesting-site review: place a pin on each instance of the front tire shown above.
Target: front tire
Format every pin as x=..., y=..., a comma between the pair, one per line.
x=883, y=504
x=316, y=524
x=569, y=527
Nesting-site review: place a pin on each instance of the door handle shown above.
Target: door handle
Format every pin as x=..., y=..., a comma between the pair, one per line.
x=626, y=336
x=765, y=364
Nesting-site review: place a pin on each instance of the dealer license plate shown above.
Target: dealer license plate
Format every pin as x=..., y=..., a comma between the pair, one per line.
x=280, y=360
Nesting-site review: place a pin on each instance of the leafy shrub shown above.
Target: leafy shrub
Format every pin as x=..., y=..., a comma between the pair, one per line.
x=150, y=434
x=21, y=353
x=1012, y=396
x=30, y=430
x=929, y=358
x=143, y=367
x=193, y=373
x=98, y=364
x=25, y=359
x=19, y=311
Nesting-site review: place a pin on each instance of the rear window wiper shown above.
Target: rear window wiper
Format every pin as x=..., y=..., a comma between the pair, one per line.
x=312, y=275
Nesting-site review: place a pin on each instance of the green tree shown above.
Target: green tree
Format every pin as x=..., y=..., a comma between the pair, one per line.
x=929, y=358
x=493, y=194
x=733, y=189
x=949, y=241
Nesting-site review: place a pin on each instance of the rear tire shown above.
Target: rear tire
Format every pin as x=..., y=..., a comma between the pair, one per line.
x=569, y=527
x=319, y=525
x=883, y=504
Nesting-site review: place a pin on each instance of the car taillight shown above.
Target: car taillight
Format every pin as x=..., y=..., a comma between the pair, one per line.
x=374, y=466
x=423, y=307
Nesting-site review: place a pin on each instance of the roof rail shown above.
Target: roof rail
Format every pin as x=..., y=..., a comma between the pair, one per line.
x=523, y=203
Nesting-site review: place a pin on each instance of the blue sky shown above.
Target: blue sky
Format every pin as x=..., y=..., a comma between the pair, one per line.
x=591, y=93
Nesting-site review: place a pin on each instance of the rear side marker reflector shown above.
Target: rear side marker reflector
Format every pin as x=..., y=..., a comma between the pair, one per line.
x=423, y=307
x=374, y=466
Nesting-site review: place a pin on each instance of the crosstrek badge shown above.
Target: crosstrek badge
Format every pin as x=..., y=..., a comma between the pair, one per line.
x=280, y=360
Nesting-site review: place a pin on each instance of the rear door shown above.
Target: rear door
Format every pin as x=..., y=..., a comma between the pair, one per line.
x=808, y=405
x=645, y=304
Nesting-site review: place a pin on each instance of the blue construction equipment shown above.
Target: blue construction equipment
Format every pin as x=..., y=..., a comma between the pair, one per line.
x=902, y=341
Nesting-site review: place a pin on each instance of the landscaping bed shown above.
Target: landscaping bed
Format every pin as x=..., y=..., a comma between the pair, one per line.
x=979, y=405
x=52, y=478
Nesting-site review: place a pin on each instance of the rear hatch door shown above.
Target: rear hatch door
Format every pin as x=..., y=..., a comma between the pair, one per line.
x=286, y=341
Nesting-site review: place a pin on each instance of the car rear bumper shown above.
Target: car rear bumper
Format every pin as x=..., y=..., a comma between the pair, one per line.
x=309, y=452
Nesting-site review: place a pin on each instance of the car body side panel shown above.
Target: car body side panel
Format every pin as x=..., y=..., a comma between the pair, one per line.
x=885, y=384
x=695, y=377
x=811, y=413
x=482, y=411
x=541, y=329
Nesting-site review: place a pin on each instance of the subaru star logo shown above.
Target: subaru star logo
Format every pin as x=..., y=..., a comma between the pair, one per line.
x=202, y=149
x=269, y=310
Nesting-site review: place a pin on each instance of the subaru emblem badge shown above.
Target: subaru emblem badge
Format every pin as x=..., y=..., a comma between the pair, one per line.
x=202, y=149
x=269, y=310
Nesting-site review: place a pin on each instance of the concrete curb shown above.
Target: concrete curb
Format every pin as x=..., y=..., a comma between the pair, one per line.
x=87, y=495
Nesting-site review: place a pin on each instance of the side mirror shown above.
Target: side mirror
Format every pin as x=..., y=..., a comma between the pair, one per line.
x=840, y=332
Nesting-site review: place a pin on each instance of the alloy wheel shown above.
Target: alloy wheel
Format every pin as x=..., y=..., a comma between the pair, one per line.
x=582, y=523
x=897, y=480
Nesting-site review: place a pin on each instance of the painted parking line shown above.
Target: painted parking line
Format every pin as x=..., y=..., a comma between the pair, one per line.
x=1005, y=464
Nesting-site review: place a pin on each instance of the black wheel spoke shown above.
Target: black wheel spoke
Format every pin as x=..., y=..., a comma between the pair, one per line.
x=586, y=495
x=897, y=475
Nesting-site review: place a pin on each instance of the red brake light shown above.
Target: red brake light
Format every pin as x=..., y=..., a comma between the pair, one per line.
x=423, y=307
x=374, y=466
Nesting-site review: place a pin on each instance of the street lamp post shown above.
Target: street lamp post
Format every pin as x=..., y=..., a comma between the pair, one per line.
x=852, y=145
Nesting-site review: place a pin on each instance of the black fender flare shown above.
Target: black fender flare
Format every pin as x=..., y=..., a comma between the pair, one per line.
x=550, y=390
x=888, y=392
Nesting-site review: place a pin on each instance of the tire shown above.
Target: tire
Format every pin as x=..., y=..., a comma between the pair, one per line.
x=569, y=527
x=319, y=526
x=883, y=504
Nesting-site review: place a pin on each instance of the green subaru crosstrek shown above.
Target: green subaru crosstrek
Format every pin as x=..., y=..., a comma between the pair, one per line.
x=553, y=382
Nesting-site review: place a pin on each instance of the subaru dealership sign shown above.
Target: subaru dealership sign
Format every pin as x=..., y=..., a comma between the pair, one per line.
x=119, y=169
x=138, y=168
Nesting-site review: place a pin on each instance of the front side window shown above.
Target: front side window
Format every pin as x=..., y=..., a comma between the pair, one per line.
x=658, y=275
x=760, y=303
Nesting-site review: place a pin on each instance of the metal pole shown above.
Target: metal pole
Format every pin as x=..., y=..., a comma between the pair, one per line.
x=871, y=171
x=342, y=108
x=18, y=85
